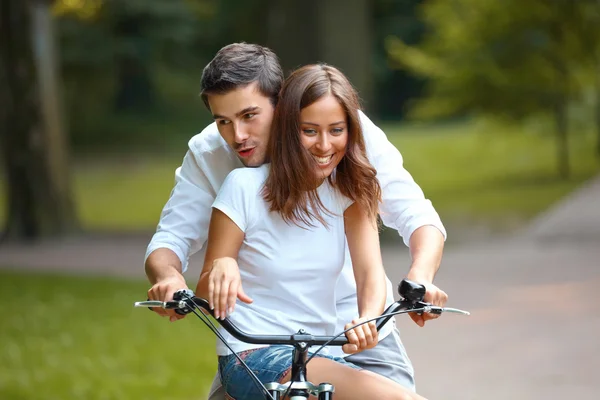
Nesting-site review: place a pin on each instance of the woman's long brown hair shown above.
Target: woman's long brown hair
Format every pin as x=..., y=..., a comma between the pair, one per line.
x=291, y=187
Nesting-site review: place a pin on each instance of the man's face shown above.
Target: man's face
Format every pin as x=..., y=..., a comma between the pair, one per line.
x=244, y=117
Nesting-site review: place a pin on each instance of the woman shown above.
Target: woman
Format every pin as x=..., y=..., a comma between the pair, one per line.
x=280, y=229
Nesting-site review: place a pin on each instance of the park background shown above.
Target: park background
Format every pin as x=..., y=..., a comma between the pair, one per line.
x=495, y=107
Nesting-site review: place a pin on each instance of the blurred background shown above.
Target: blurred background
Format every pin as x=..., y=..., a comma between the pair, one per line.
x=495, y=106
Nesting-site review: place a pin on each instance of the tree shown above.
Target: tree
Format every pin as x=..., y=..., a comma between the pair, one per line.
x=590, y=12
x=510, y=59
x=129, y=39
x=32, y=135
x=394, y=86
x=336, y=32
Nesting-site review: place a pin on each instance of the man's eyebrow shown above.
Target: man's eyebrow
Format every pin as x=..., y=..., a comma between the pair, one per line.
x=247, y=110
x=239, y=113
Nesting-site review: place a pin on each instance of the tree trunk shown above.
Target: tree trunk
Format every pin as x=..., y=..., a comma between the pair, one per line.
x=288, y=34
x=562, y=90
x=597, y=110
x=562, y=140
x=135, y=88
x=345, y=42
x=34, y=150
x=338, y=34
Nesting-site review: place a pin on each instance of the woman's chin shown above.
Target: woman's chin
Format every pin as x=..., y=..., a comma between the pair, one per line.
x=324, y=173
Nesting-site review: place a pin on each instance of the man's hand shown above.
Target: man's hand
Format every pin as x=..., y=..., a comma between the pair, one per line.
x=426, y=246
x=362, y=337
x=433, y=295
x=163, y=290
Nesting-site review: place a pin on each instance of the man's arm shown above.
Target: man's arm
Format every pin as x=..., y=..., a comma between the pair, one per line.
x=426, y=247
x=405, y=209
x=163, y=269
x=182, y=230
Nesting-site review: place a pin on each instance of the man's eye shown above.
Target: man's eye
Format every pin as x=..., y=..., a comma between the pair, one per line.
x=224, y=122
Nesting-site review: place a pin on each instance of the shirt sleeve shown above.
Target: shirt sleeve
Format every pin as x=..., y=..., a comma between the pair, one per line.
x=404, y=206
x=237, y=196
x=183, y=225
x=345, y=202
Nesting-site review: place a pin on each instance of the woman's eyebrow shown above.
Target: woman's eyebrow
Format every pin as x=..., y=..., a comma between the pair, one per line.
x=312, y=123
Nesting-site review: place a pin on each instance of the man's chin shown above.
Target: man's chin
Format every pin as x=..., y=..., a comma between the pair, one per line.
x=251, y=163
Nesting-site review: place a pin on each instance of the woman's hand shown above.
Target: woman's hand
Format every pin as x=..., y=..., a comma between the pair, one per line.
x=362, y=337
x=225, y=286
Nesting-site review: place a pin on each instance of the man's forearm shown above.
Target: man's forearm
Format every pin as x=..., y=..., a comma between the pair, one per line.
x=426, y=247
x=161, y=264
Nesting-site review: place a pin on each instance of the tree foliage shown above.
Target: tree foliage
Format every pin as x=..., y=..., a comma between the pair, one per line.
x=509, y=59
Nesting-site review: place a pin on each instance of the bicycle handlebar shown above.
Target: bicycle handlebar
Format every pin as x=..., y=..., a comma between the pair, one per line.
x=185, y=302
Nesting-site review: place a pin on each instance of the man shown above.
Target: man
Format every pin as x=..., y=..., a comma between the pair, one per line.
x=240, y=87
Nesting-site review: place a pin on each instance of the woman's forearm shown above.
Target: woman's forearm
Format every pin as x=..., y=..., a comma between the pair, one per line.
x=370, y=293
x=202, y=286
x=224, y=241
x=363, y=243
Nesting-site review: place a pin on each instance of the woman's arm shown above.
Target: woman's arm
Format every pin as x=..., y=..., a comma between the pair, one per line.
x=363, y=243
x=220, y=281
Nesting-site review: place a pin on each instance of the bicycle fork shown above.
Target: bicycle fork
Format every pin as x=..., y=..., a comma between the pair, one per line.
x=300, y=388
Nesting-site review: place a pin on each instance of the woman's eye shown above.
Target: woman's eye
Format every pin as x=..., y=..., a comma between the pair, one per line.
x=337, y=131
x=249, y=115
x=309, y=131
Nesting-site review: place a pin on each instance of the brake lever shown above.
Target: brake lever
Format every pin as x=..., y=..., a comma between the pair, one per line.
x=180, y=302
x=429, y=308
x=167, y=305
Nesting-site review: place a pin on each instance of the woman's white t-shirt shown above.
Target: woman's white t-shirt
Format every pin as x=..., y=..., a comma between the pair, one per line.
x=289, y=271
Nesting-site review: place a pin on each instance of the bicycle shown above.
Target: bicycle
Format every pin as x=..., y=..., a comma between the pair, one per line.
x=298, y=388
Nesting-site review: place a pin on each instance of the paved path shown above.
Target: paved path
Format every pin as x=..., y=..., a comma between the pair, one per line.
x=534, y=332
x=576, y=218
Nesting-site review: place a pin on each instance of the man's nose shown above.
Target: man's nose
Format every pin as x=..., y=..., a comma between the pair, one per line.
x=240, y=133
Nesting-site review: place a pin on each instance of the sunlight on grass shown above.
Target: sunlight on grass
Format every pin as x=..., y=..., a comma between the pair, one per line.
x=500, y=176
x=124, y=195
x=80, y=338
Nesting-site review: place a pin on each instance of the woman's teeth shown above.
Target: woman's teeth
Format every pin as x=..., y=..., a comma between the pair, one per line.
x=323, y=160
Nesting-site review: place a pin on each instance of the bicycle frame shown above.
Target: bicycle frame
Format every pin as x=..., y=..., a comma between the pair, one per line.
x=300, y=387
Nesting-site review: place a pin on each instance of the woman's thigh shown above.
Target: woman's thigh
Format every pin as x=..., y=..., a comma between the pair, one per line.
x=269, y=364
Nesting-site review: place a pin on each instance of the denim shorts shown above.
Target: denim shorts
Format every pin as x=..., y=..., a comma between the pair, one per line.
x=270, y=364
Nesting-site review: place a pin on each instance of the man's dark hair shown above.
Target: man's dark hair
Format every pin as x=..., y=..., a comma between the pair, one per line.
x=239, y=64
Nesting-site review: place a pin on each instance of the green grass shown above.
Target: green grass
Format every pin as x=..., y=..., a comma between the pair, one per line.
x=488, y=174
x=124, y=195
x=475, y=174
x=80, y=338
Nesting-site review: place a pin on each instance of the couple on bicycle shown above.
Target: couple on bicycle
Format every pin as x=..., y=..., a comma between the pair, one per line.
x=292, y=241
